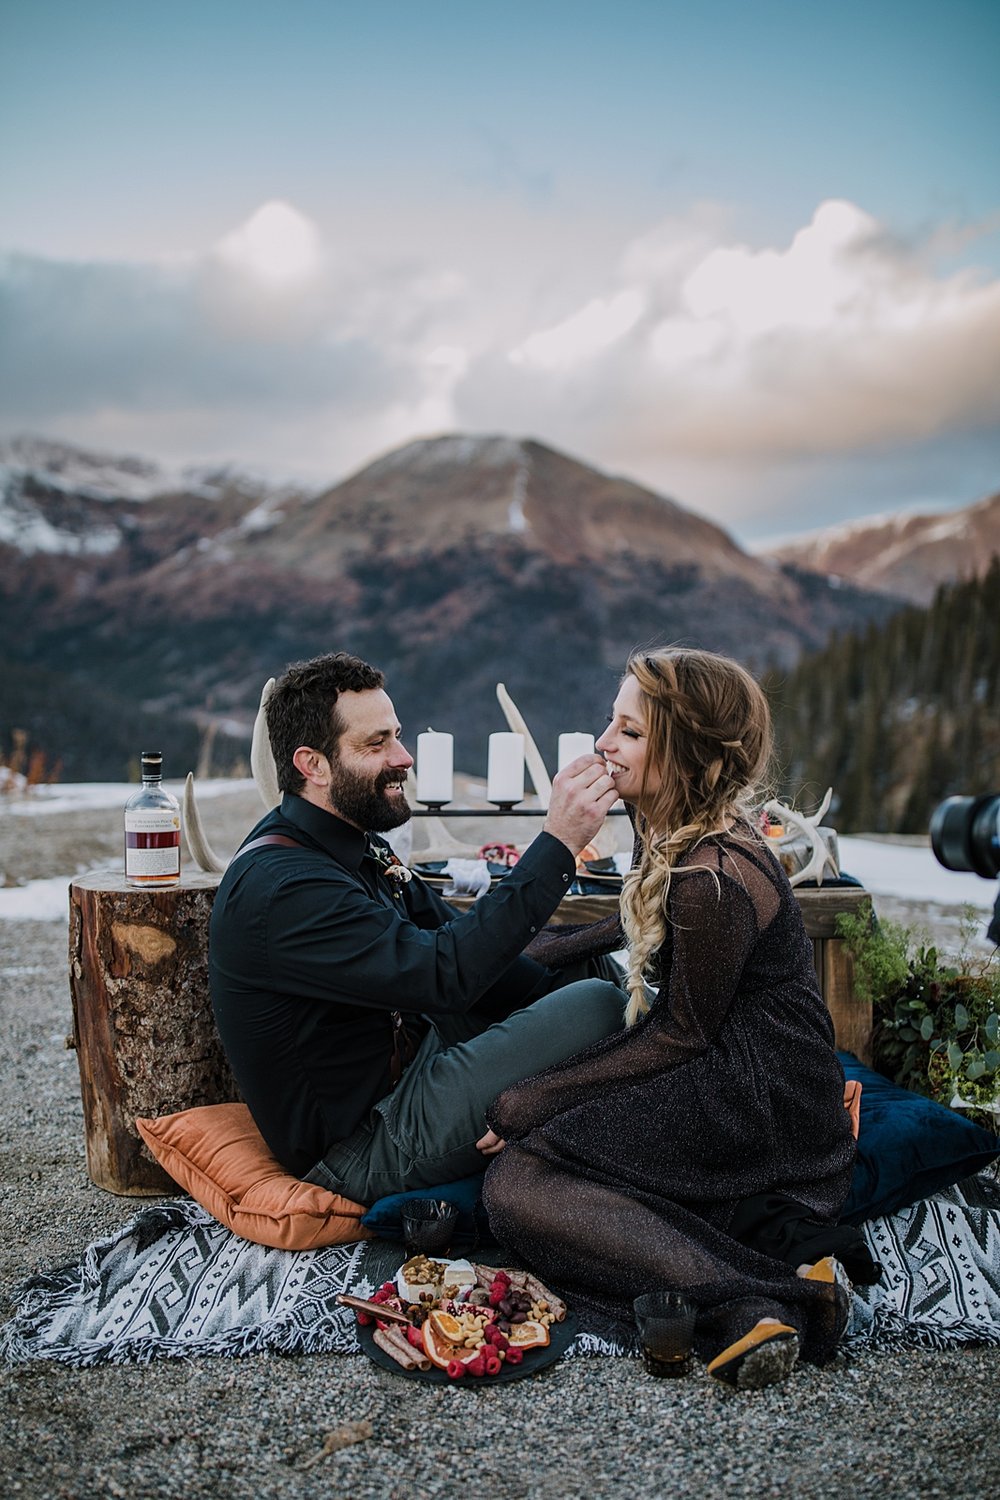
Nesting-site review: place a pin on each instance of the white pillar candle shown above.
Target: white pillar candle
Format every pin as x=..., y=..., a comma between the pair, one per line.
x=572, y=745
x=505, y=770
x=435, y=767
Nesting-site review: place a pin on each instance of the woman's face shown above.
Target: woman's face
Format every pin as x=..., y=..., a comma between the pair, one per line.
x=623, y=745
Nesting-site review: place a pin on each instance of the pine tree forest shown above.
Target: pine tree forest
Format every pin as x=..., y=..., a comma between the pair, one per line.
x=897, y=717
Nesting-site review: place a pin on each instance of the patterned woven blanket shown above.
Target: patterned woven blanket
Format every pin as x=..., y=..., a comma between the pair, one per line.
x=174, y=1283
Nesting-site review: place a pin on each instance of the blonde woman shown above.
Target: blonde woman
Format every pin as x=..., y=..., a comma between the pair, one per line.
x=705, y=1147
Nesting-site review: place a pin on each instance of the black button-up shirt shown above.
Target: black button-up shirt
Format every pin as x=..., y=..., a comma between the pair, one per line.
x=312, y=949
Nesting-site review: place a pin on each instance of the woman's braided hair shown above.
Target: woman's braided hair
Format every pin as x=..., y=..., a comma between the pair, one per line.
x=709, y=735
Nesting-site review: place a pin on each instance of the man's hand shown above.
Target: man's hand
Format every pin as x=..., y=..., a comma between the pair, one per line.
x=490, y=1144
x=582, y=795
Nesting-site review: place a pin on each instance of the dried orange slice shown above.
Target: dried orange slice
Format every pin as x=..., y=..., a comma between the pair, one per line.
x=447, y=1326
x=439, y=1348
x=528, y=1335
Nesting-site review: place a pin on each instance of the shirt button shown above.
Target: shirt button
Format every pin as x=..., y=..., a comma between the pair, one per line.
x=565, y=879
x=533, y=929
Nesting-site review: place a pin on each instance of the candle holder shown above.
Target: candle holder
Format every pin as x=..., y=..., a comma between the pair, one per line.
x=432, y=806
x=504, y=807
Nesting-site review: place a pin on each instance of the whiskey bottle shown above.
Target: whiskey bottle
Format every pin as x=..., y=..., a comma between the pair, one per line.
x=152, y=829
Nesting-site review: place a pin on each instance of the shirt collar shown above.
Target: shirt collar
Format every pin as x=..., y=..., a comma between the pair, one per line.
x=343, y=841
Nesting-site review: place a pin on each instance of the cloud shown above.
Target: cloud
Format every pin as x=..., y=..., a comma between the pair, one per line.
x=276, y=244
x=266, y=349
x=722, y=372
x=838, y=341
x=584, y=334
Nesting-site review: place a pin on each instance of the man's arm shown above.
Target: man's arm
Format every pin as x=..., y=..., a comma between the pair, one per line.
x=328, y=938
x=524, y=981
x=352, y=948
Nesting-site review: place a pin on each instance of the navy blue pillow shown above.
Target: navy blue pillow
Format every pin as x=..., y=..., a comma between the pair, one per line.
x=908, y=1147
x=386, y=1216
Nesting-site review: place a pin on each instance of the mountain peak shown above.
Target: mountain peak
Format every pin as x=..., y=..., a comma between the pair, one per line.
x=474, y=490
x=100, y=476
x=450, y=450
x=907, y=554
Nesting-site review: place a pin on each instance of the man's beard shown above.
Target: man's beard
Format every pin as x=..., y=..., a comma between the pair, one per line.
x=362, y=800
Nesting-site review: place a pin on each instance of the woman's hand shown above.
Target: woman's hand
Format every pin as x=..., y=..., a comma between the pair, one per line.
x=490, y=1144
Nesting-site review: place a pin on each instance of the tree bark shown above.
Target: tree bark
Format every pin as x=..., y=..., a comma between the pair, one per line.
x=144, y=1033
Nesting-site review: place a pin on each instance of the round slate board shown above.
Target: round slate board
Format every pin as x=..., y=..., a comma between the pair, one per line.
x=561, y=1335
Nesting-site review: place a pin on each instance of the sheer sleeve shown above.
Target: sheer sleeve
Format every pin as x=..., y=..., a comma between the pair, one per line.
x=714, y=926
x=559, y=945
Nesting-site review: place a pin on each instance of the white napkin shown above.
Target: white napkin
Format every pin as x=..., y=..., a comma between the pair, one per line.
x=467, y=877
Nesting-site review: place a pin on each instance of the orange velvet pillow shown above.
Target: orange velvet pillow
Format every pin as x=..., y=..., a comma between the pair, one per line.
x=852, y=1103
x=218, y=1155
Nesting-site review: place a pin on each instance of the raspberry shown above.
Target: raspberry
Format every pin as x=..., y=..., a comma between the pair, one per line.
x=456, y=1369
x=365, y=1319
x=515, y=1356
x=477, y=1366
x=493, y=1365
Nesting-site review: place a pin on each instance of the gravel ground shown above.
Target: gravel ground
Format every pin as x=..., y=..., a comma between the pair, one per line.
x=907, y=1424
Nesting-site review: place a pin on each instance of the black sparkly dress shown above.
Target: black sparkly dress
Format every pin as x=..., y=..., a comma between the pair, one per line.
x=639, y=1164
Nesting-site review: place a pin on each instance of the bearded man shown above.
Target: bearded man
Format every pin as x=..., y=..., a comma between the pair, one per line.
x=368, y=1023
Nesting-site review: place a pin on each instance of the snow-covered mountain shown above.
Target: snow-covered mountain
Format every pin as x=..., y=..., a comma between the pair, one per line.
x=454, y=563
x=56, y=498
x=904, y=555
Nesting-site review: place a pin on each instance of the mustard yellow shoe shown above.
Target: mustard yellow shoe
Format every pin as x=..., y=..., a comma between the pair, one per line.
x=761, y=1357
x=828, y=1270
x=823, y=1270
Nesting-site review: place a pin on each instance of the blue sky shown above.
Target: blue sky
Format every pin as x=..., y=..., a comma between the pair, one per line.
x=746, y=252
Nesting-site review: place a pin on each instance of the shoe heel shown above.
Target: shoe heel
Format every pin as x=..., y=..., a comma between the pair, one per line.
x=760, y=1358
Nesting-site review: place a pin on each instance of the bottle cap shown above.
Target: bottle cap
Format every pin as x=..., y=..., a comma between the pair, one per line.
x=153, y=759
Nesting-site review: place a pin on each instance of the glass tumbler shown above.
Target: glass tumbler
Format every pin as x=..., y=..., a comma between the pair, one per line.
x=428, y=1225
x=665, y=1321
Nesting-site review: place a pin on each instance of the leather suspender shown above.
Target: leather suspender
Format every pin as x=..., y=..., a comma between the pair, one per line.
x=269, y=838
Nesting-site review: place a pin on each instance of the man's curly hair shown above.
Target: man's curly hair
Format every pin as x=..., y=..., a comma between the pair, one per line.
x=302, y=708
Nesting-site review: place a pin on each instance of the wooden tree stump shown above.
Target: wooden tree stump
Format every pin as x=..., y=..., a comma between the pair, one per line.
x=144, y=1033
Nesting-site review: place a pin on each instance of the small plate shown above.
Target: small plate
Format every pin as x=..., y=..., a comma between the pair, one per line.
x=561, y=1335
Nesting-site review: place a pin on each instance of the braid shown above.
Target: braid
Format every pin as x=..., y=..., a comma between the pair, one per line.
x=709, y=737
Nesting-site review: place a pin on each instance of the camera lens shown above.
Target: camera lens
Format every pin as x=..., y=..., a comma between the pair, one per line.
x=965, y=834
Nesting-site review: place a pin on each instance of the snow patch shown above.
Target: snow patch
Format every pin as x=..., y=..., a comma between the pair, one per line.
x=98, y=476
x=912, y=874
x=38, y=901
x=516, y=519
x=67, y=796
x=262, y=517
x=462, y=450
x=946, y=529
x=24, y=527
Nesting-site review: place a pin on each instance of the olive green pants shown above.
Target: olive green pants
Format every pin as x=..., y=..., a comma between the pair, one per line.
x=425, y=1131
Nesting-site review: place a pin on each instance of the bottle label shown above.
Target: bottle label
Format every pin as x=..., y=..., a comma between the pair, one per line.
x=153, y=862
x=152, y=820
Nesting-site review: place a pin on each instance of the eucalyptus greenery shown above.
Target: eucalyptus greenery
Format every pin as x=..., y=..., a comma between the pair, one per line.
x=936, y=1024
